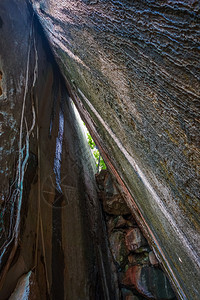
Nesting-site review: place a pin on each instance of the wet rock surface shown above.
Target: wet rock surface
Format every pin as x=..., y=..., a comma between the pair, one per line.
x=139, y=272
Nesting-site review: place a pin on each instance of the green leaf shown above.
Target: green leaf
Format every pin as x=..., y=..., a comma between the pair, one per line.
x=96, y=153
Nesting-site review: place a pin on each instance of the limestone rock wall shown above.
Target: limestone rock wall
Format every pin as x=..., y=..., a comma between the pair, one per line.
x=133, y=68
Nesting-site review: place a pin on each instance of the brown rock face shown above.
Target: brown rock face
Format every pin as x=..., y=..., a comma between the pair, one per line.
x=134, y=66
x=113, y=201
x=50, y=220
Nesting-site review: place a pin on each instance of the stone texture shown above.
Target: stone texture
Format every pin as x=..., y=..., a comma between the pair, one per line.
x=125, y=238
x=139, y=259
x=128, y=295
x=59, y=229
x=134, y=239
x=115, y=205
x=112, y=199
x=134, y=65
x=121, y=222
x=118, y=247
x=26, y=289
x=149, y=281
x=109, y=186
x=152, y=258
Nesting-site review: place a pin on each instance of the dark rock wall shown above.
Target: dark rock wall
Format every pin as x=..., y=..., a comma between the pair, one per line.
x=59, y=236
x=135, y=67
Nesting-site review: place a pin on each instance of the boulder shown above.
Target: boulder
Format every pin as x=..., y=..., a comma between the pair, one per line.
x=143, y=249
x=152, y=258
x=109, y=186
x=151, y=282
x=117, y=222
x=115, y=205
x=141, y=259
x=134, y=239
x=118, y=247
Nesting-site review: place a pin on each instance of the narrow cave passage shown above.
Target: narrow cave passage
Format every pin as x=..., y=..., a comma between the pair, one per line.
x=68, y=230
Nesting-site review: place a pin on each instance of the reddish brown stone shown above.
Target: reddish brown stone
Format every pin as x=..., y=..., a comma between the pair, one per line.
x=149, y=281
x=152, y=258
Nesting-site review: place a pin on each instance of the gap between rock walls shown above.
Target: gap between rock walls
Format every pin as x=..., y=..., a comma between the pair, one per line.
x=83, y=216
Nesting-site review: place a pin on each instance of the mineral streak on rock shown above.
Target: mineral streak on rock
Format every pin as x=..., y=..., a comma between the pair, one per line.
x=26, y=289
x=135, y=66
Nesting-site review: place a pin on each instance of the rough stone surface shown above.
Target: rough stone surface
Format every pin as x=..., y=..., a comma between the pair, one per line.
x=115, y=205
x=112, y=199
x=118, y=247
x=135, y=67
x=121, y=222
x=134, y=239
x=149, y=281
x=26, y=289
x=132, y=297
x=50, y=218
x=152, y=258
x=139, y=259
x=125, y=237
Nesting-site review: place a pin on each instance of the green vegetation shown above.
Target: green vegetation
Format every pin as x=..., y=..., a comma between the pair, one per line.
x=98, y=159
